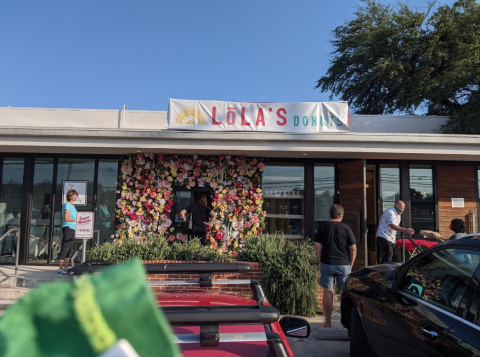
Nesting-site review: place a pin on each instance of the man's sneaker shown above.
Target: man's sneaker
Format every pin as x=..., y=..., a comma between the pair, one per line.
x=63, y=273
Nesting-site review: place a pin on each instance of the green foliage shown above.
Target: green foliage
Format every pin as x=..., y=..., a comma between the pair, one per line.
x=290, y=271
x=397, y=59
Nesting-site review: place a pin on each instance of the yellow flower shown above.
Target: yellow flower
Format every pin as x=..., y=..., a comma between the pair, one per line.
x=212, y=240
x=139, y=204
x=220, y=195
x=174, y=173
x=130, y=235
x=124, y=187
x=142, y=199
x=124, y=203
x=230, y=253
x=258, y=202
x=140, y=210
x=235, y=245
x=259, y=190
x=241, y=235
x=188, y=187
x=148, y=190
x=220, y=251
x=224, y=191
x=171, y=229
x=135, y=229
x=139, y=177
x=124, y=176
x=170, y=178
x=159, y=196
x=211, y=246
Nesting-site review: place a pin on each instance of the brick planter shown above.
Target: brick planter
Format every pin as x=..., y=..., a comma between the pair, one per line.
x=255, y=273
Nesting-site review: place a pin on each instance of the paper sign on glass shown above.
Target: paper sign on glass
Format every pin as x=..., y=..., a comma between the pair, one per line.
x=80, y=186
x=458, y=202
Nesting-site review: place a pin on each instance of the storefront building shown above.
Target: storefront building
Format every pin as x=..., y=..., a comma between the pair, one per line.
x=381, y=159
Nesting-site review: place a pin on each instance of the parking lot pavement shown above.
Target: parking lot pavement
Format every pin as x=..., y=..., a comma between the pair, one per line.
x=323, y=342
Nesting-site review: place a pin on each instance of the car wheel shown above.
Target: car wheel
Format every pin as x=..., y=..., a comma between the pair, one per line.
x=358, y=339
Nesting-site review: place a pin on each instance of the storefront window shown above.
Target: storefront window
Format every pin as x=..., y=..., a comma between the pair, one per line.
x=283, y=192
x=324, y=187
x=71, y=170
x=10, y=206
x=106, y=197
x=422, y=200
x=389, y=186
x=41, y=211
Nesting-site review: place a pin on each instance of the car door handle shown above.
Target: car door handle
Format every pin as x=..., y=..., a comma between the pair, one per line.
x=429, y=333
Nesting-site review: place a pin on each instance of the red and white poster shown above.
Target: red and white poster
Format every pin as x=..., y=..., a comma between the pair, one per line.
x=84, y=225
x=210, y=115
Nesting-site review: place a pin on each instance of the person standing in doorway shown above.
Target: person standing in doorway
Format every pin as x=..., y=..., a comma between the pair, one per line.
x=388, y=228
x=69, y=214
x=200, y=213
x=336, y=251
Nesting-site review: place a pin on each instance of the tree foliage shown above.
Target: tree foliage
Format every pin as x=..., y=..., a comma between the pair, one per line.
x=391, y=58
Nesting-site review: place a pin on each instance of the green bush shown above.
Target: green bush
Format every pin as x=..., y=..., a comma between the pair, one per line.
x=290, y=271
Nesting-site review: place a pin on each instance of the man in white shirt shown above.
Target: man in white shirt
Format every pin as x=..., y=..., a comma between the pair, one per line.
x=388, y=228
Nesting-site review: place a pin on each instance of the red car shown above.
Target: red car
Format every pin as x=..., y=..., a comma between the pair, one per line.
x=220, y=324
x=216, y=324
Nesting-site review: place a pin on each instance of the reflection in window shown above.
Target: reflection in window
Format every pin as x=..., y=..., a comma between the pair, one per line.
x=422, y=200
x=106, y=197
x=10, y=206
x=283, y=192
x=41, y=210
x=441, y=278
x=389, y=185
x=324, y=187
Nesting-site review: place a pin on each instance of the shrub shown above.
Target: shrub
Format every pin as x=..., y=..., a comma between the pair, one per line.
x=290, y=271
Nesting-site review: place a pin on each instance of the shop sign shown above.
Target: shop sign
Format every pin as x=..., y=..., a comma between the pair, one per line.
x=84, y=225
x=315, y=117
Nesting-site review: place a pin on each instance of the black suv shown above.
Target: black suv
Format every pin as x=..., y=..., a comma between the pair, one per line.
x=427, y=306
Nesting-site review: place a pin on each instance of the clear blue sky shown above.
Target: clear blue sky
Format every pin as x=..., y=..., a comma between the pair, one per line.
x=105, y=53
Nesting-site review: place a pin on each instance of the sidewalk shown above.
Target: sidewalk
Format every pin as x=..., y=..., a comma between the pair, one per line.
x=323, y=342
x=27, y=275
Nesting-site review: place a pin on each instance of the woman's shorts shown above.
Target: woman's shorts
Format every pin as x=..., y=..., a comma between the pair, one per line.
x=67, y=242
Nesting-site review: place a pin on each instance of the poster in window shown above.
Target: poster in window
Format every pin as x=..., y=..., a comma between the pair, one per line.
x=323, y=203
x=80, y=186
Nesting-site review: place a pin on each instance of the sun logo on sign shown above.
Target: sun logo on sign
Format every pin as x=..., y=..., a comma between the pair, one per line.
x=190, y=117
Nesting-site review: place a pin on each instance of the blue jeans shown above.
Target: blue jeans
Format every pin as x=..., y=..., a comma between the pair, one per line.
x=328, y=274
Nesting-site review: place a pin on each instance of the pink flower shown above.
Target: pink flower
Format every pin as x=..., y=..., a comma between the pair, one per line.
x=124, y=210
x=234, y=253
x=179, y=236
x=153, y=195
x=171, y=238
x=247, y=225
x=218, y=236
x=163, y=217
x=180, y=177
x=261, y=166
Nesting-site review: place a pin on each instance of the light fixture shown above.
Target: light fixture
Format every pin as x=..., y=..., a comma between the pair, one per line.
x=367, y=185
x=305, y=154
x=139, y=150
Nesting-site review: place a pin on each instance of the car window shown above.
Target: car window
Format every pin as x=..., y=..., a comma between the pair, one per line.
x=474, y=314
x=441, y=277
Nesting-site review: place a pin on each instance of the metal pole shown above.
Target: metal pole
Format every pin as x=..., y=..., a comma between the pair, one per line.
x=403, y=249
x=16, y=253
x=84, y=249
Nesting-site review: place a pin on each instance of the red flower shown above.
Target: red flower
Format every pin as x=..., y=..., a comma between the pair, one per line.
x=218, y=236
x=238, y=184
x=170, y=203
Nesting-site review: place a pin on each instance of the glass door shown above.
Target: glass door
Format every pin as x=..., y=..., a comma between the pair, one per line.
x=11, y=189
x=41, y=211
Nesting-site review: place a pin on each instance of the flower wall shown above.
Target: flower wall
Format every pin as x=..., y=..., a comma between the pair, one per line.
x=144, y=209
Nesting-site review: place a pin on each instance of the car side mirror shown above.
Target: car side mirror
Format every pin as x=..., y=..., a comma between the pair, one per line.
x=295, y=327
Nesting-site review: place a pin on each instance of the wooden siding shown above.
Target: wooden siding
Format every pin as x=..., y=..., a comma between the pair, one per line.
x=455, y=181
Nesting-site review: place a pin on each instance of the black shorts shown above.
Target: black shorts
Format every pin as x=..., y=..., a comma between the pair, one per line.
x=67, y=242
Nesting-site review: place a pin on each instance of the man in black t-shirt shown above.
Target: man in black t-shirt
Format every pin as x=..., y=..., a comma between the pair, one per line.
x=200, y=214
x=336, y=252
